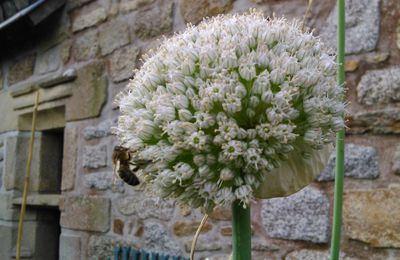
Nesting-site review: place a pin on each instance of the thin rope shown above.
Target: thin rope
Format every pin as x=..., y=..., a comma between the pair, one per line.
x=26, y=181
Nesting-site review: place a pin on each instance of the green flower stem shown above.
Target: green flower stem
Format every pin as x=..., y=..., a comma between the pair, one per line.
x=241, y=232
x=338, y=200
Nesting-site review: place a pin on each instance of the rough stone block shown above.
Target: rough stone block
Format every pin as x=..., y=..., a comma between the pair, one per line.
x=132, y=5
x=99, y=181
x=183, y=228
x=157, y=239
x=89, y=19
x=379, y=87
x=226, y=231
x=70, y=247
x=396, y=161
x=260, y=244
x=398, y=34
x=94, y=156
x=372, y=216
x=113, y=35
x=380, y=121
x=207, y=244
x=69, y=158
x=89, y=95
x=101, y=247
x=48, y=61
x=15, y=160
x=8, y=237
x=301, y=216
x=155, y=21
x=123, y=62
x=144, y=207
x=361, y=162
x=21, y=69
x=101, y=130
x=86, y=213
x=193, y=11
x=86, y=46
x=220, y=213
x=6, y=211
x=377, y=57
x=65, y=51
x=362, y=26
x=307, y=254
x=71, y=4
x=118, y=226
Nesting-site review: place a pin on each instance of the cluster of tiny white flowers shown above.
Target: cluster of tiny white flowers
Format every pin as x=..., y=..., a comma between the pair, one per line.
x=219, y=106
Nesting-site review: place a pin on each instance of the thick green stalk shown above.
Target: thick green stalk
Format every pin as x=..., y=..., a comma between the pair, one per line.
x=338, y=200
x=241, y=232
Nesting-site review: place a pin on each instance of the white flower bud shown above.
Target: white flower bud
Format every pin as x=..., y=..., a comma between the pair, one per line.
x=185, y=115
x=226, y=174
x=199, y=160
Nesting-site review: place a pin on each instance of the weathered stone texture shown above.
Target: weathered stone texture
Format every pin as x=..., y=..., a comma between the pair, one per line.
x=101, y=247
x=379, y=87
x=71, y=4
x=380, y=121
x=351, y=65
x=206, y=244
x=132, y=5
x=260, y=244
x=70, y=247
x=361, y=162
x=371, y=216
x=193, y=11
x=103, y=181
x=1, y=162
x=362, y=26
x=89, y=19
x=21, y=69
x=99, y=181
x=219, y=257
x=113, y=35
x=89, y=94
x=157, y=239
x=184, y=228
x=15, y=162
x=144, y=207
x=226, y=231
x=94, y=156
x=155, y=21
x=118, y=226
x=86, y=46
x=396, y=161
x=307, y=254
x=301, y=216
x=69, y=158
x=65, y=50
x=85, y=213
x=123, y=62
x=398, y=34
x=101, y=130
x=48, y=61
x=220, y=213
x=377, y=57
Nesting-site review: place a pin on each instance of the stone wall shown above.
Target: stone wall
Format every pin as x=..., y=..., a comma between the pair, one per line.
x=86, y=57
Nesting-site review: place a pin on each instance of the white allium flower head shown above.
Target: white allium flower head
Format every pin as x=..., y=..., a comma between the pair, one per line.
x=217, y=107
